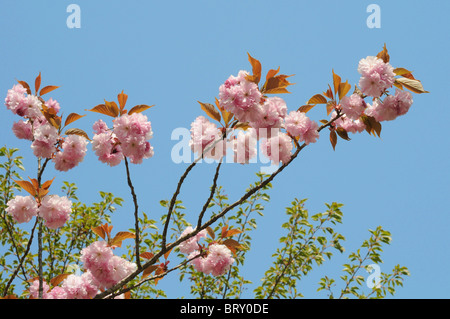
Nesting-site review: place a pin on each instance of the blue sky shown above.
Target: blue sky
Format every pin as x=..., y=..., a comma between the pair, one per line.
x=174, y=53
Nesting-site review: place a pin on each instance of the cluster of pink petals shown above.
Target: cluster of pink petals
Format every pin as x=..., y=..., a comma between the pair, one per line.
x=217, y=262
x=240, y=97
x=55, y=210
x=106, y=268
x=391, y=107
x=74, y=149
x=349, y=125
x=278, y=148
x=128, y=137
x=270, y=114
x=45, y=138
x=22, y=208
x=299, y=125
x=376, y=76
x=353, y=106
x=206, y=139
x=244, y=146
x=190, y=245
x=72, y=287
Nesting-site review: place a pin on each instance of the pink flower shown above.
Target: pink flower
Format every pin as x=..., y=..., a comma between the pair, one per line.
x=45, y=138
x=299, y=125
x=57, y=293
x=22, y=208
x=15, y=100
x=105, y=268
x=203, y=135
x=218, y=260
x=278, y=148
x=55, y=210
x=100, y=127
x=271, y=115
x=392, y=107
x=240, y=97
x=23, y=130
x=53, y=104
x=32, y=107
x=349, y=125
x=191, y=244
x=34, y=289
x=244, y=146
x=107, y=148
x=79, y=287
x=376, y=76
x=353, y=106
x=74, y=150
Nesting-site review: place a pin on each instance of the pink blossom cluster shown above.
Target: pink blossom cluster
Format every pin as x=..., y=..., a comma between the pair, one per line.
x=376, y=76
x=266, y=117
x=66, y=153
x=191, y=244
x=73, y=287
x=55, y=210
x=106, y=268
x=128, y=137
x=391, y=107
x=218, y=260
x=240, y=97
x=215, y=260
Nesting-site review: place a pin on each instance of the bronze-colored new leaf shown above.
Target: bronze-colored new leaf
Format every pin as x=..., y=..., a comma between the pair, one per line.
x=317, y=99
x=48, y=89
x=103, y=109
x=77, y=131
x=277, y=84
x=231, y=232
x=147, y=271
x=147, y=255
x=27, y=186
x=333, y=139
x=48, y=183
x=383, y=55
x=72, y=117
x=306, y=108
x=37, y=83
x=139, y=108
x=342, y=133
x=122, y=98
x=372, y=125
x=343, y=89
x=412, y=85
x=25, y=85
x=210, y=110
x=100, y=231
x=232, y=245
x=256, y=70
x=336, y=82
x=211, y=232
x=119, y=237
x=55, y=281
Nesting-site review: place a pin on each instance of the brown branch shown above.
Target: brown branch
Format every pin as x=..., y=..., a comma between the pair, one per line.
x=136, y=215
x=165, y=248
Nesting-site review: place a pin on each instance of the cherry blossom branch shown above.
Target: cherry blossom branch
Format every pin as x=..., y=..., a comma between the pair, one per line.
x=136, y=215
x=25, y=254
x=211, y=194
x=126, y=289
x=165, y=248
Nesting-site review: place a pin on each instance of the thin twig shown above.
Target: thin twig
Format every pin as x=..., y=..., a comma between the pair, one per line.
x=136, y=215
x=211, y=194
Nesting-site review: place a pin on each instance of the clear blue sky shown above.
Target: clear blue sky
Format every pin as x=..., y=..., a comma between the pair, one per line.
x=173, y=53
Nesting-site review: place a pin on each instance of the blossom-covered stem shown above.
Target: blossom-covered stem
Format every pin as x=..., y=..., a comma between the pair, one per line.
x=25, y=254
x=136, y=214
x=180, y=183
x=211, y=194
x=126, y=289
x=165, y=248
